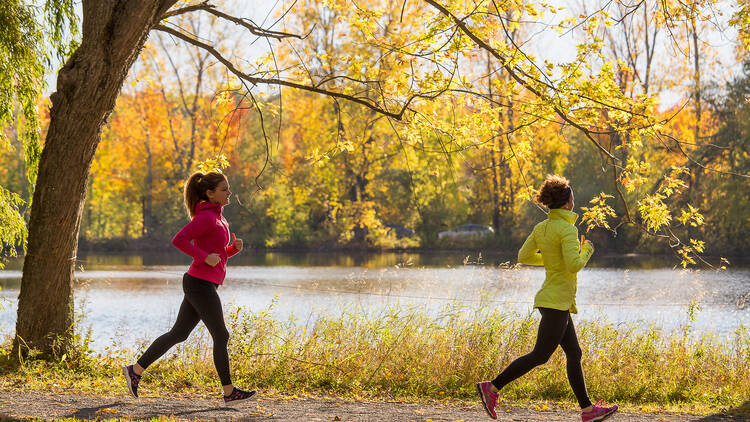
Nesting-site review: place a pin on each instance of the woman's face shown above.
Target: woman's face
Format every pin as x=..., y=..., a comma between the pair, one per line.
x=221, y=194
x=571, y=202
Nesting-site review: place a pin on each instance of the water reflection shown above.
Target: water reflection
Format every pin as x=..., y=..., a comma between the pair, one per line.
x=170, y=257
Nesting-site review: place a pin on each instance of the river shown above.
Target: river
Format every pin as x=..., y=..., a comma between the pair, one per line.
x=128, y=299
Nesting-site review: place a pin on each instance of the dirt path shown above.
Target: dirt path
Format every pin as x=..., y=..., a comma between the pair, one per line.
x=21, y=405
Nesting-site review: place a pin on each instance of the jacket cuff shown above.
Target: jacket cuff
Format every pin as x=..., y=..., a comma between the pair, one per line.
x=201, y=255
x=231, y=250
x=587, y=250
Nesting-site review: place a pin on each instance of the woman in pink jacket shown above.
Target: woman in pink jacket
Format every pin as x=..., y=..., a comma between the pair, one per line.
x=205, y=197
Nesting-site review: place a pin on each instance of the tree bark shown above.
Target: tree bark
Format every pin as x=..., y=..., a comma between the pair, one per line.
x=114, y=32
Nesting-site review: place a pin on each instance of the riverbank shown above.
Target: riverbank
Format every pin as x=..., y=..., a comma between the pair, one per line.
x=100, y=258
x=402, y=354
x=140, y=245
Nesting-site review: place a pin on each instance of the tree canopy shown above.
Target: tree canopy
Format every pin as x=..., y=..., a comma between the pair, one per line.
x=30, y=37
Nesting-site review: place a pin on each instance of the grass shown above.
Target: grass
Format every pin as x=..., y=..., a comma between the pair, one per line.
x=404, y=354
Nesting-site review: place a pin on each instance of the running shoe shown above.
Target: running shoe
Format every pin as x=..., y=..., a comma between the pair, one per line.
x=598, y=413
x=238, y=396
x=132, y=378
x=489, y=399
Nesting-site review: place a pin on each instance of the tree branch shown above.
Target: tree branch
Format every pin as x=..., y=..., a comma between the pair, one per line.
x=245, y=23
x=186, y=9
x=514, y=73
x=399, y=115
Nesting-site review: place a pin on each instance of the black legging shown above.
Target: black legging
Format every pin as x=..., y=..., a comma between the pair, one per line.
x=556, y=328
x=201, y=303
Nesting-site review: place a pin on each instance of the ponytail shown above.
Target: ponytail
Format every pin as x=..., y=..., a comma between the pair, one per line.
x=197, y=185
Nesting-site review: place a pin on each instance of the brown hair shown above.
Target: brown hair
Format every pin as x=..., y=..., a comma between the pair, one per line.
x=197, y=185
x=554, y=193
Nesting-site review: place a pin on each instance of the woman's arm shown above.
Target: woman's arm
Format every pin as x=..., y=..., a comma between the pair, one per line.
x=575, y=258
x=530, y=253
x=192, y=230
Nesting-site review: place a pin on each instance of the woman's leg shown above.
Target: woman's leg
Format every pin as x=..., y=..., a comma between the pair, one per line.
x=573, y=354
x=187, y=319
x=204, y=298
x=551, y=330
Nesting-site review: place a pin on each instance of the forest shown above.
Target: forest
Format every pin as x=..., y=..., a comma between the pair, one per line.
x=652, y=133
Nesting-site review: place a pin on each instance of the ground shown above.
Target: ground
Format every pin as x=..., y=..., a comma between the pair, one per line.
x=43, y=405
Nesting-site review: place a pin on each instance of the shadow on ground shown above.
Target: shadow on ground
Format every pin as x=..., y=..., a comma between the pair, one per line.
x=110, y=411
x=88, y=412
x=739, y=413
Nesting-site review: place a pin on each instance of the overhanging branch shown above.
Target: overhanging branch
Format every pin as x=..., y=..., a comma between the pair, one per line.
x=514, y=73
x=398, y=115
x=210, y=8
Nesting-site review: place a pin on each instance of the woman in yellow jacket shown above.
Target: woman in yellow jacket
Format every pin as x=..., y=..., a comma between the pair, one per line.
x=554, y=244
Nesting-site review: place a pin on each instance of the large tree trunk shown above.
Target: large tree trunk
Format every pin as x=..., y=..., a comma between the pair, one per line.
x=113, y=33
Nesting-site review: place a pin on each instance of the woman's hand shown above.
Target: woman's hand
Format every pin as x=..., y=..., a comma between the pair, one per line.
x=584, y=241
x=213, y=259
x=237, y=243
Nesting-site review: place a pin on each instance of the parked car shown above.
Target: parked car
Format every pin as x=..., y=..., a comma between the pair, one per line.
x=400, y=231
x=467, y=231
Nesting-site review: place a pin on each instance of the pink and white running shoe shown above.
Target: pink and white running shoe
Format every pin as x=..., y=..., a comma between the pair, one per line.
x=598, y=413
x=489, y=399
